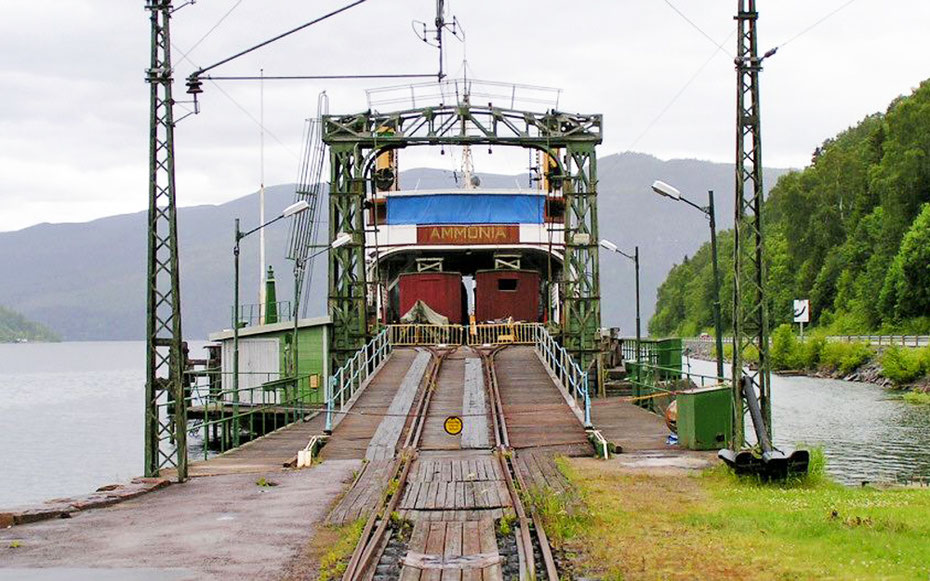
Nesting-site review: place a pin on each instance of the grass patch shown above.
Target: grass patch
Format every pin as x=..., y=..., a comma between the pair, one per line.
x=713, y=525
x=339, y=542
x=917, y=397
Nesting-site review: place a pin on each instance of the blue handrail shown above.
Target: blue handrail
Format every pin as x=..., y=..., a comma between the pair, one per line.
x=561, y=364
x=343, y=384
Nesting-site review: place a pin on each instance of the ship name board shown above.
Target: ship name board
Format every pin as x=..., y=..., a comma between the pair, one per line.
x=472, y=234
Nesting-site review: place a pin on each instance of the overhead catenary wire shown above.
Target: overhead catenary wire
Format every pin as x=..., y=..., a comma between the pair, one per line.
x=326, y=16
x=698, y=28
x=238, y=105
x=680, y=92
x=212, y=29
x=817, y=23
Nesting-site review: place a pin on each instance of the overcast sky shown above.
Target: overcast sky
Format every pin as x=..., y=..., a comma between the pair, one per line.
x=74, y=106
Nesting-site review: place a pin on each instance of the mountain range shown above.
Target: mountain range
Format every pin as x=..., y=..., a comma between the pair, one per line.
x=86, y=281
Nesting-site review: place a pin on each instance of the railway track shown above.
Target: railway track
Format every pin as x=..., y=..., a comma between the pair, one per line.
x=454, y=515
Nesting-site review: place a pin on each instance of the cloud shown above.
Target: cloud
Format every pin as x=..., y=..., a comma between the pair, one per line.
x=74, y=121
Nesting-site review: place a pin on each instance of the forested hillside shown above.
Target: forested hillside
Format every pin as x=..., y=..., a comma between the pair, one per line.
x=851, y=232
x=15, y=327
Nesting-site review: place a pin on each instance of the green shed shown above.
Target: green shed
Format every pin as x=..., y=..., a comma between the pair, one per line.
x=266, y=354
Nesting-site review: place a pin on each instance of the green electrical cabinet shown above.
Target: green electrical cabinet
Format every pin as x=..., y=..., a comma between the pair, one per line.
x=704, y=418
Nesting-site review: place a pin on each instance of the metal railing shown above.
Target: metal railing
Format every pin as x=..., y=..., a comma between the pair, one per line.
x=653, y=383
x=251, y=315
x=344, y=383
x=419, y=334
x=503, y=333
x=485, y=334
x=260, y=409
x=877, y=340
x=561, y=365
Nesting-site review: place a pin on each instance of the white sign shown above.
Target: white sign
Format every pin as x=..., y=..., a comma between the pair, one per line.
x=802, y=311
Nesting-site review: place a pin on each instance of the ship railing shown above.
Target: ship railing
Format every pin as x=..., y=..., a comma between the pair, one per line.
x=349, y=379
x=513, y=333
x=562, y=367
x=503, y=333
x=411, y=334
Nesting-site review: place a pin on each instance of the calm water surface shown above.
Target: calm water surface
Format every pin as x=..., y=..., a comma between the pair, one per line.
x=868, y=433
x=70, y=417
x=71, y=420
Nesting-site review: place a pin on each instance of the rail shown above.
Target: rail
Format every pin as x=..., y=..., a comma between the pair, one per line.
x=344, y=383
x=561, y=365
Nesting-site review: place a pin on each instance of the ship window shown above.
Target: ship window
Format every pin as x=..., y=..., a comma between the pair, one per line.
x=507, y=284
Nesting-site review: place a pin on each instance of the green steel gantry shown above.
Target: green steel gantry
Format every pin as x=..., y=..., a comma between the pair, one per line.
x=356, y=140
x=165, y=406
x=750, y=320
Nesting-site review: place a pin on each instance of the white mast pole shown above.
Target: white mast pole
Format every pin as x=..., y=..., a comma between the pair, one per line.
x=261, y=202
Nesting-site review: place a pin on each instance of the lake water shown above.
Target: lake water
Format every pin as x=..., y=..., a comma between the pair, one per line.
x=868, y=433
x=71, y=420
x=70, y=417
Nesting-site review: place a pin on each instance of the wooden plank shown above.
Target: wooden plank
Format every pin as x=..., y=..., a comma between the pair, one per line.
x=460, y=495
x=474, y=407
x=471, y=545
x=488, y=544
x=456, y=470
x=417, y=544
x=452, y=550
x=434, y=546
x=384, y=441
x=442, y=488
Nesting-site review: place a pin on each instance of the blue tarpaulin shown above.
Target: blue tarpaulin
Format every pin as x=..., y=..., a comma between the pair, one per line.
x=466, y=209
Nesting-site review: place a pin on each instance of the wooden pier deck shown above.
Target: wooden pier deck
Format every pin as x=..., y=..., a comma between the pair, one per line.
x=268, y=453
x=629, y=426
x=534, y=408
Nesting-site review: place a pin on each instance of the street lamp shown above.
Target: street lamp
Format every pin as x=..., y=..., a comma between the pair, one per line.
x=294, y=208
x=663, y=189
x=635, y=258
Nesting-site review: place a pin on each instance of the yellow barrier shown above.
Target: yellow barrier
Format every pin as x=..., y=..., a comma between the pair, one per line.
x=493, y=334
x=502, y=333
x=415, y=334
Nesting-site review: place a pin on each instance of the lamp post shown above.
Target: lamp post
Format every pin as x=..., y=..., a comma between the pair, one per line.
x=635, y=258
x=289, y=211
x=665, y=190
x=299, y=264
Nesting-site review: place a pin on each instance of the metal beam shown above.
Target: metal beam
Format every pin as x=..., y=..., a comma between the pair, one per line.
x=165, y=404
x=356, y=140
x=750, y=317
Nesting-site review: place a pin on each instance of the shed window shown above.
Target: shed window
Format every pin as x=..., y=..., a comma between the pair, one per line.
x=507, y=284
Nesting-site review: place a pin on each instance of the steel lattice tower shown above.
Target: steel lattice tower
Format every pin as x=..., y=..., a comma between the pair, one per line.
x=165, y=406
x=750, y=317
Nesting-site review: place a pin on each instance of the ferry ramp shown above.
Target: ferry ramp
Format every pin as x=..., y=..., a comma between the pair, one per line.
x=536, y=411
x=372, y=426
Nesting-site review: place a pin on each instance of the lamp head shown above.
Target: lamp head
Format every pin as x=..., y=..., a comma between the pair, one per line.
x=663, y=189
x=342, y=239
x=609, y=245
x=295, y=208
